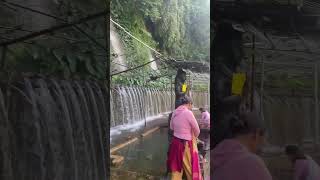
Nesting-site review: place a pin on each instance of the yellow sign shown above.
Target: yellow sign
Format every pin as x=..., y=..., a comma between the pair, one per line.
x=184, y=87
x=238, y=80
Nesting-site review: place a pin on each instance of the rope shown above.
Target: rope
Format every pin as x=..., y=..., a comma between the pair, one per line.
x=143, y=43
x=117, y=24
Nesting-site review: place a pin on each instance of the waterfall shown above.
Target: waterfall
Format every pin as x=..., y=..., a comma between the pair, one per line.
x=57, y=130
x=200, y=99
x=153, y=64
x=138, y=104
x=117, y=47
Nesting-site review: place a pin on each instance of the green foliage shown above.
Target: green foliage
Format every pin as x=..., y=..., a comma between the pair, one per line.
x=180, y=29
x=184, y=29
x=130, y=14
x=200, y=87
x=143, y=78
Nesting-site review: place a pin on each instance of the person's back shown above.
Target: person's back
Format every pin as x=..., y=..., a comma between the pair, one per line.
x=183, y=124
x=232, y=161
x=234, y=158
x=183, y=157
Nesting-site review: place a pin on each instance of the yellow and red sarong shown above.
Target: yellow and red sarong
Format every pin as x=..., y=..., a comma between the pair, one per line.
x=183, y=157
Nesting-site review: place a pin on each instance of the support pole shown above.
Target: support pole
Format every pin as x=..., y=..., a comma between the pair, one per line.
x=316, y=103
x=252, y=72
x=261, y=88
x=3, y=57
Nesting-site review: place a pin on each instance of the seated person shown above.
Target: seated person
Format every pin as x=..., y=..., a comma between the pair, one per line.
x=305, y=168
x=235, y=158
x=205, y=118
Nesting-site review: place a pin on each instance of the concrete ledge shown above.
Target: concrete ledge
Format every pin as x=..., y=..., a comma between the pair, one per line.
x=150, y=131
x=114, y=149
x=122, y=145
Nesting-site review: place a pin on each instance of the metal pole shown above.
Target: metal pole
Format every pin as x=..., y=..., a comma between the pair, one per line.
x=316, y=103
x=261, y=88
x=252, y=72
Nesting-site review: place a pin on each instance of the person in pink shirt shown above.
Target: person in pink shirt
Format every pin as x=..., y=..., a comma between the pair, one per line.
x=205, y=118
x=183, y=153
x=235, y=158
x=305, y=168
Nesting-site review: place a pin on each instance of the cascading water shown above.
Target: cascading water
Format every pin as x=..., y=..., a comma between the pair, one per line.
x=117, y=47
x=153, y=64
x=57, y=130
x=200, y=99
x=134, y=105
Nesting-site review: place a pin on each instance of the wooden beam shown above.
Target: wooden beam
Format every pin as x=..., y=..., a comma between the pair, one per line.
x=114, y=149
x=150, y=131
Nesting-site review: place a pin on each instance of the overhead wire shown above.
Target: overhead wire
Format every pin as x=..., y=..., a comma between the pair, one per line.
x=60, y=19
x=143, y=43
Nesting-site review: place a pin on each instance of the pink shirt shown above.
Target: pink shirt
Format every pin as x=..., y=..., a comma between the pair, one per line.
x=184, y=124
x=230, y=160
x=302, y=170
x=205, y=117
